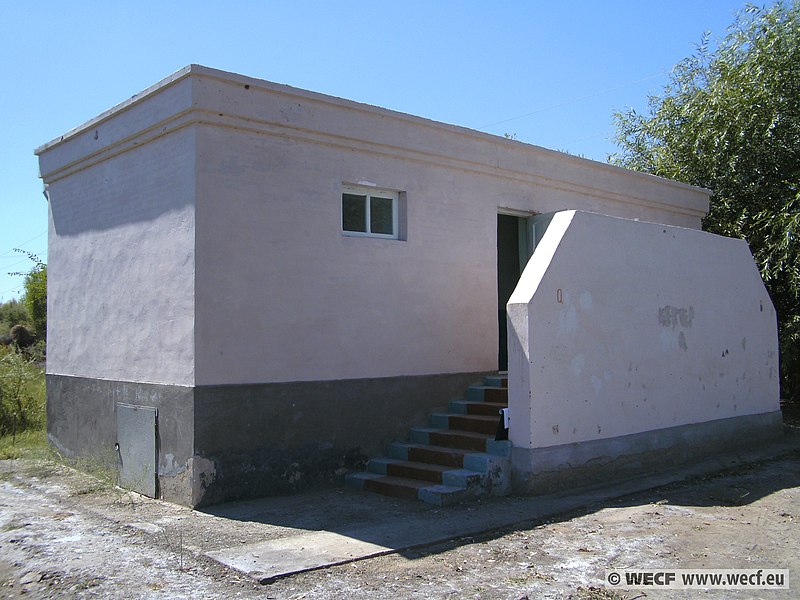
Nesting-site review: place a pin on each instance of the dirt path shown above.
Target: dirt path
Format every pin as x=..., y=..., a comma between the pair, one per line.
x=64, y=535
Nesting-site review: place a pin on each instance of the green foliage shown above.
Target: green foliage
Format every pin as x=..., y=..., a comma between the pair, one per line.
x=21, y=337
x=729, y=120
x=22, y=393
x=35, y=297
x=12, y=313
x=31, y=444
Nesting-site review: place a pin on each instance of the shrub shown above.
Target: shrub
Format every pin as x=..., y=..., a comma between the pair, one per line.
x=22, y=393
x=21, y=337
x=12, y=313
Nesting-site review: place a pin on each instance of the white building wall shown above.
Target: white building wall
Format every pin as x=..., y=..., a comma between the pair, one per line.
x=282, y=295
x=619, y=327
x=121, y=266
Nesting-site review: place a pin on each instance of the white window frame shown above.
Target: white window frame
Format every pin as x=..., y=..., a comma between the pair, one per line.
x=368, y=192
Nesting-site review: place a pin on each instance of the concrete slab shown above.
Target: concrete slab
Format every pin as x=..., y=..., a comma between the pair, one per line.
x=266, y=561
x=354, y=525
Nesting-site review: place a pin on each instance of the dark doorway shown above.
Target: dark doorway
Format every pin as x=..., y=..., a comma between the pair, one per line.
x=513, y=250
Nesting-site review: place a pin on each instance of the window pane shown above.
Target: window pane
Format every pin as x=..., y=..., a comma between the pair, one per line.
x=354, y=212
x=380, y=215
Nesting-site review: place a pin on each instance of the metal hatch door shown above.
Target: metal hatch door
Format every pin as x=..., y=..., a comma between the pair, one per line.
x=138, y=455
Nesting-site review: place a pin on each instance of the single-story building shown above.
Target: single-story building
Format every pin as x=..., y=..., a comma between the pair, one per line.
x=253, y=288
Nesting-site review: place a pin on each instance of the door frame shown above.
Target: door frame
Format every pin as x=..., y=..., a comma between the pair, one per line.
x=526, y=240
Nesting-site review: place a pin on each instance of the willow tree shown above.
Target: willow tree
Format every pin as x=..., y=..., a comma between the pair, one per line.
x=729, y=120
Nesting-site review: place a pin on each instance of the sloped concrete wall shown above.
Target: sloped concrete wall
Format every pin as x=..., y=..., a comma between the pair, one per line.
x=619, y=328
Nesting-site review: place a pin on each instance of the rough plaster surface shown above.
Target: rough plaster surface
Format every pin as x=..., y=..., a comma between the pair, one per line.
x=82, y=422
x=598, y=462
x=620, y=327
x=294, y=436
x=121, y=266
x=275, y=274
x=195, y=240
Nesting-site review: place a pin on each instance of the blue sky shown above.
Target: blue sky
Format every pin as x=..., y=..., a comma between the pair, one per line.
x=551, y=73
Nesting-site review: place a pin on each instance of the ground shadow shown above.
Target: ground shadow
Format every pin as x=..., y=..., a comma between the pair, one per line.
x=414, y=529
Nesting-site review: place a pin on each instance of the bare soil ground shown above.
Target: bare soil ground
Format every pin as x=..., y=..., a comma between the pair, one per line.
x=64, y=534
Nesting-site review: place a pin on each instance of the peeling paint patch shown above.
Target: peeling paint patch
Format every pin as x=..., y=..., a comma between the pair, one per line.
x=204, y=473
x=168, y=467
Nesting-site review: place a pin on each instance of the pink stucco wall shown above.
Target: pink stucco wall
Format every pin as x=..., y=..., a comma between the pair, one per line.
x=212, y=240
x=619, y=327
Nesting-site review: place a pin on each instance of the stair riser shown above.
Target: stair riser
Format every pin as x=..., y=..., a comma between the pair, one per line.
x=389, y=489
x=462, y=407
x=456, y=457
x=489, y=409
x=450, y=439
x=473, y=423
x=410, y=472
x=487, y=394
x=464, y=423
x=436, y=457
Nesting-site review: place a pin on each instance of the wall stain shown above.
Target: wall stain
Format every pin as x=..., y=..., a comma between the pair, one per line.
x=682, y=341
x=672, y=316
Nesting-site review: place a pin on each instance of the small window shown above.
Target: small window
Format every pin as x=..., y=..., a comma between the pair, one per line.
x=369, y=212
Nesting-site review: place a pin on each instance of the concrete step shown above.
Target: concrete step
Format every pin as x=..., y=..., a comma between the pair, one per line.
x=465, y=407
x=396, y=487
x=460, y=440
x=449, y=438
x=475, y=423
x=407, y=469
x=456, y=458
x=496, y=380
x=410, y=489
x=439, y=455
x=485, y=393
x=443, y=495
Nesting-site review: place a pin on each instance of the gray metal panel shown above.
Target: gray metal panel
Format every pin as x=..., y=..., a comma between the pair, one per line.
x=136, y=436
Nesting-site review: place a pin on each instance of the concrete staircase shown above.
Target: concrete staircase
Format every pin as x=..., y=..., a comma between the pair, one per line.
x=457, y=457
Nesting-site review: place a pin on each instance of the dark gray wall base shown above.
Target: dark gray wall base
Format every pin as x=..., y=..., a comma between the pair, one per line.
x=280, y=438
x=82, y=423
x=584, y=464
x=271, y=471
x=224, y=443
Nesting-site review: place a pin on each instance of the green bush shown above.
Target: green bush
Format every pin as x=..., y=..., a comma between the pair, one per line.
x=35, y=297
x=12, y=313
x=22, y=393
x=729, y=120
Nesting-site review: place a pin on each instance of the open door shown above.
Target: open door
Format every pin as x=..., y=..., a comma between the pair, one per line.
x=515, y=240
x=517, y=236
